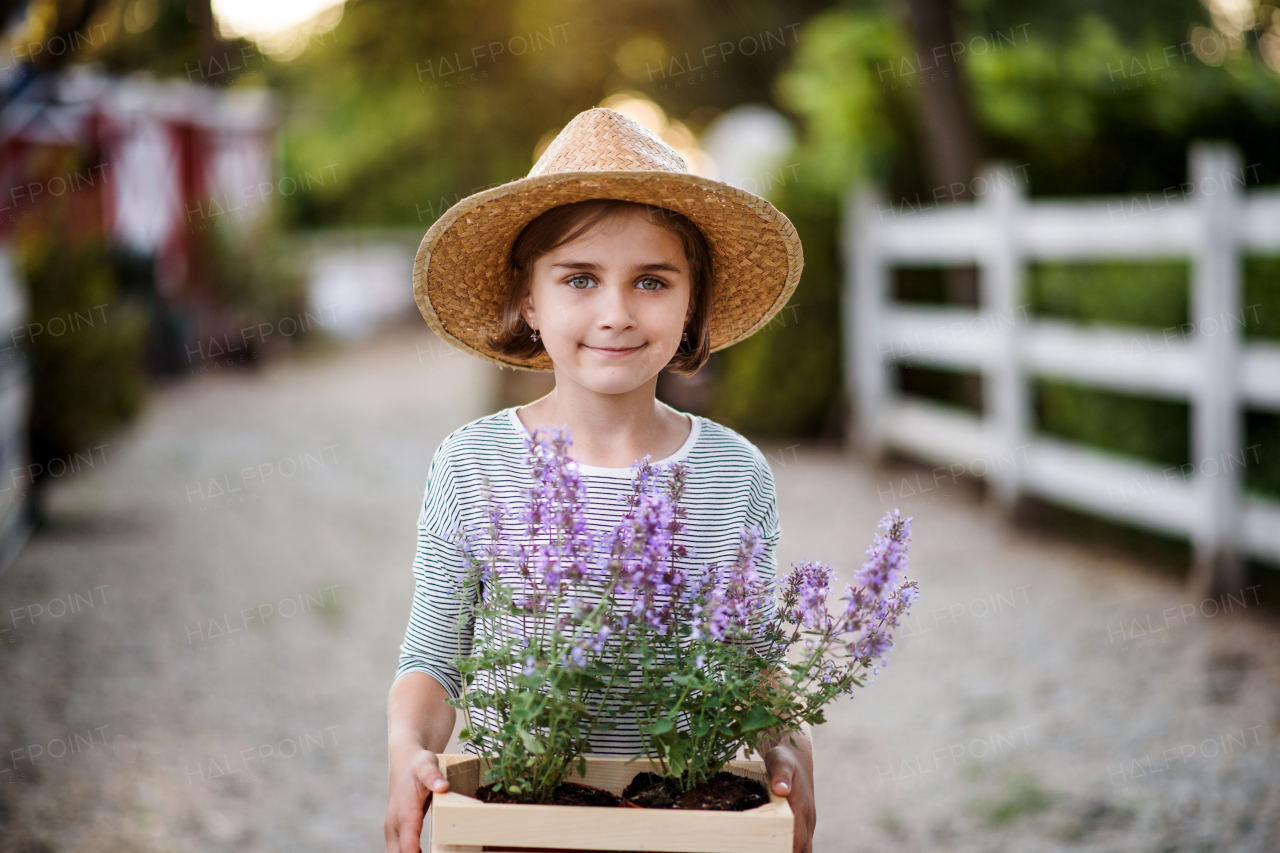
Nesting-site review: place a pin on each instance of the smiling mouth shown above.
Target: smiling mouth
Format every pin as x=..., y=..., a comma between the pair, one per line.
x=614, y=351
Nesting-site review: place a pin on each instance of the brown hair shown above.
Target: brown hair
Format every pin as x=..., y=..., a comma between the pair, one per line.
x=568, y=222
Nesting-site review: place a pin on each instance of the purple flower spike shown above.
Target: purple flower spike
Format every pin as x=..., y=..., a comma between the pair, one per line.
x=887, y=556
x=805, y=595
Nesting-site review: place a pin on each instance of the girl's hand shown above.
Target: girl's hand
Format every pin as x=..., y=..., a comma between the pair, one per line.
x=419, y=721
x=791, y=776
x=415, y=775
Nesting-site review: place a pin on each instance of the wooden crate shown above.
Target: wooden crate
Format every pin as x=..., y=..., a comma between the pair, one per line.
x=459, y=822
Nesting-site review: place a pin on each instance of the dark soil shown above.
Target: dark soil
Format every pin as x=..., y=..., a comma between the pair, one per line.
x=724, y=792
x=567, y=794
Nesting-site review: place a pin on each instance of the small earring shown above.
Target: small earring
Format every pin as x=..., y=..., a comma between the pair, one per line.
x=535, y=335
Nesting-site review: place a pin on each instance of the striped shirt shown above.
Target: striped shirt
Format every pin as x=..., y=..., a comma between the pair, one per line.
x=729, y=486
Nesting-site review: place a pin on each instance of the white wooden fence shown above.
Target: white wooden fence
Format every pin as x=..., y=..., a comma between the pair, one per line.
x=1210, y=221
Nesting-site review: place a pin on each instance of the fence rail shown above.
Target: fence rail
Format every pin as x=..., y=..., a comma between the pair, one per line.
x=1210, y=221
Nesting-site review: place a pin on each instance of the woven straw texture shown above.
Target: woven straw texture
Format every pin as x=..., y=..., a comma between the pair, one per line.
x=462, y=270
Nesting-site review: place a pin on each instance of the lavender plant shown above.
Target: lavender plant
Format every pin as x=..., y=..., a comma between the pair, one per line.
x=533, y=687
x=705, y=659
x=724, y=669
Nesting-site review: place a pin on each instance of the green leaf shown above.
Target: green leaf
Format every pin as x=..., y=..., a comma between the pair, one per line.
x=531, y=744
x=660, y=727
x=758, y=718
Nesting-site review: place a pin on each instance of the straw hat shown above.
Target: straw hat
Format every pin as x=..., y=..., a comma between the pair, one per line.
x=462, y=270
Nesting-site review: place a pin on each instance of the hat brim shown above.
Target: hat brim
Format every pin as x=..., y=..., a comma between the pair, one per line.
x=462, y=270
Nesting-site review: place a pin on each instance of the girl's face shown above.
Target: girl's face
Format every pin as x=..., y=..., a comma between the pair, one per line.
x=611, y=306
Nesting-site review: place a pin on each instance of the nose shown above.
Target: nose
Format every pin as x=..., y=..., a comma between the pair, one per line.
x=615, y=308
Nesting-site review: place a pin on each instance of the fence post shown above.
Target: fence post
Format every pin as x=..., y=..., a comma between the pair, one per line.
x=866, y=292
x=1216, y=431
x=15, y=520
x=1000, y=295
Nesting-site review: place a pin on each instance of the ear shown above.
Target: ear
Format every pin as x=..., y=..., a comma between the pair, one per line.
x=528, y=312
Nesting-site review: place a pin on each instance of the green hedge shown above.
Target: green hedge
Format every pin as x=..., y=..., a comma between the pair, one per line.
x=1262, y=429
x=88, y=379
x=1261, y=297
x=1262, y=437
x=785, y=380
x=1154, y=295
x=962, y=389
x=1156, y=430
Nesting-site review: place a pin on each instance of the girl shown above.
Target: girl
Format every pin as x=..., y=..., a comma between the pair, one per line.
x=606, y=265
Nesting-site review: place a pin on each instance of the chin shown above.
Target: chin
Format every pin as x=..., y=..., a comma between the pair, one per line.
x=613, y=384
x=616, y=381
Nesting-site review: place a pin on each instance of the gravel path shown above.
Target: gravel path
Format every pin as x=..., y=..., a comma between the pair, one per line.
x=195, y=656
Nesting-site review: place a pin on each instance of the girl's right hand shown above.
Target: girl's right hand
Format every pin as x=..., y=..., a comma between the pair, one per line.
x=415, y=775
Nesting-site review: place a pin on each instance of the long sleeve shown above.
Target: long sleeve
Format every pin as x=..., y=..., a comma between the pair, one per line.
x=440, y=622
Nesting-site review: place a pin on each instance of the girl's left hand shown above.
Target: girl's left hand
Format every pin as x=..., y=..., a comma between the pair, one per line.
x=791, y=776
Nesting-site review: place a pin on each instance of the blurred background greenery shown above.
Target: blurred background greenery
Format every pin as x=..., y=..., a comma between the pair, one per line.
x=1083, y=97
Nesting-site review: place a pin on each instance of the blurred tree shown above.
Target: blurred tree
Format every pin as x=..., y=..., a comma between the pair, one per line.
x=36, y=27
x=421, y=105
x=944, y=115
x=171, y=38
x=1060, y=87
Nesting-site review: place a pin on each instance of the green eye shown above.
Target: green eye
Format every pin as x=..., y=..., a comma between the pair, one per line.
x=657, y=285
x=577, y=278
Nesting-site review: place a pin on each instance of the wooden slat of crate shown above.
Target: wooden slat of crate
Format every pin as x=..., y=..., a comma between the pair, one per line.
x=460, y=822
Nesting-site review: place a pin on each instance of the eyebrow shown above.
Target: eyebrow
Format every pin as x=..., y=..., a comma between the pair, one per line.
x=591, y=267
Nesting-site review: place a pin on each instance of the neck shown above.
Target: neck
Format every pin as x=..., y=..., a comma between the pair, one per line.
x=610, y=430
